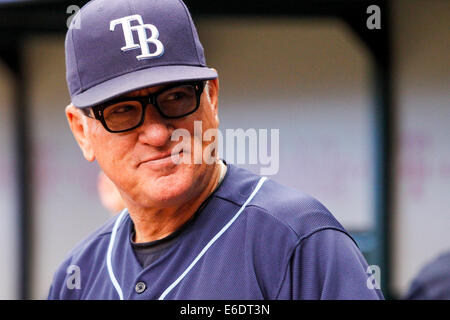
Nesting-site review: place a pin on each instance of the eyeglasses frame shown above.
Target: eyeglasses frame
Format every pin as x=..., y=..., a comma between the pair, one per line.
x=97, y=110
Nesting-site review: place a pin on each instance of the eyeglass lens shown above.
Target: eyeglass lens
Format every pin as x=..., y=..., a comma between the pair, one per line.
x=174, y=102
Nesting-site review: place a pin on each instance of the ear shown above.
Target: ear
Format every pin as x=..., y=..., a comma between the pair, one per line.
x=79, y=126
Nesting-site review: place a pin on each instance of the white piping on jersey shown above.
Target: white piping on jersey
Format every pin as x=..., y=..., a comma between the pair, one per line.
x=193, y=263
x=210, y=243
x=108, y=255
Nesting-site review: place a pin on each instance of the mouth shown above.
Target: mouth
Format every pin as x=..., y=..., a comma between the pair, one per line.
x=160, y=160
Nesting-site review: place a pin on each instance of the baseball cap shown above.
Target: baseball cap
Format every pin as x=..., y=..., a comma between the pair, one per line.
x=117, y=46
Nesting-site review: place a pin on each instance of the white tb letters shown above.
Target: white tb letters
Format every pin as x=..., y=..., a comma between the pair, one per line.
x=141, y=30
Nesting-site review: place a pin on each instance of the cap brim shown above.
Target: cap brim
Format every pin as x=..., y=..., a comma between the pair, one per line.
x=140, y=79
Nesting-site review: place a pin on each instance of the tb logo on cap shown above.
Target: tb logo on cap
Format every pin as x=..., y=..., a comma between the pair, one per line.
x=142, y=34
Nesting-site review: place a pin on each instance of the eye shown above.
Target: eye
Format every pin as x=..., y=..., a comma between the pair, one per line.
x=175, y=96
x=123, y=109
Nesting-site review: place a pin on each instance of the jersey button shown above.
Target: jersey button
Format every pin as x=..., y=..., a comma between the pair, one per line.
x=140, y=287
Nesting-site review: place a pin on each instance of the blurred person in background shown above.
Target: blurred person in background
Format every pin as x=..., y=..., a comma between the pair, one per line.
x=433, y=280
x=108, y=193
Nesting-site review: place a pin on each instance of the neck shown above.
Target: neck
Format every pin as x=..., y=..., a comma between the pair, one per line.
x=156, y=223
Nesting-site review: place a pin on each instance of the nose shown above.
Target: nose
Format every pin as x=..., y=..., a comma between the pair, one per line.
x=156, y=130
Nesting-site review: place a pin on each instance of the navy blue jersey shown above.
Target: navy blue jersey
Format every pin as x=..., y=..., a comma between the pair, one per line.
x=254, y=239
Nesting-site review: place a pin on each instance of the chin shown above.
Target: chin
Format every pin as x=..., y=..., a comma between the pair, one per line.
x=170, y=190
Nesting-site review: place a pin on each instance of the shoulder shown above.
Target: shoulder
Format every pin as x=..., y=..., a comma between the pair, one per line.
x=97, y=237
x=97, y=240
x=302, y=213
x=87, y=253
x=297, y=232
x=283, y=207
x=324, y=260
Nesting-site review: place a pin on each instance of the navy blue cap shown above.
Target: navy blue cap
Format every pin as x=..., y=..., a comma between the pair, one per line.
x=117, y=46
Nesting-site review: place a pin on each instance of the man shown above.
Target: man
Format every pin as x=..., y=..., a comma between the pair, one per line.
x=192, y=229
x=433, y=280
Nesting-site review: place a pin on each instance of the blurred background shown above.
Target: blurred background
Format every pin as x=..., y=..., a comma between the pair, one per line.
x=363, y=116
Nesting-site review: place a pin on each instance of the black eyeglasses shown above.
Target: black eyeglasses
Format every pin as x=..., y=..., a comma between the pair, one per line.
x=125, y=114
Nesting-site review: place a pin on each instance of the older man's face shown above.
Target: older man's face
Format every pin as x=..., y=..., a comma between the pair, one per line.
x=139, y=161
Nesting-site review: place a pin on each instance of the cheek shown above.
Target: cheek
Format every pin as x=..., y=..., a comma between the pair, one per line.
x=201, y=122
x=111, y=150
